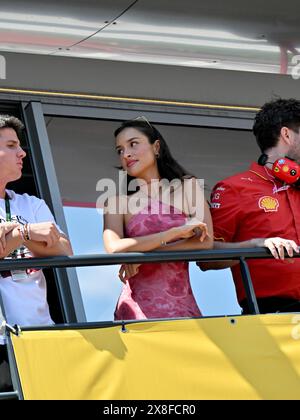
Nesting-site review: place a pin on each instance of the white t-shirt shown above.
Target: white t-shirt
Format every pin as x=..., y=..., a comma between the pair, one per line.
x=25, y=301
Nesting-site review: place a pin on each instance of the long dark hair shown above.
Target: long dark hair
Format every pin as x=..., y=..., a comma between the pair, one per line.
x=168, y=167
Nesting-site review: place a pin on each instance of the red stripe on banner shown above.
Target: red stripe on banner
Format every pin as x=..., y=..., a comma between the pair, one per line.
x=79, y=204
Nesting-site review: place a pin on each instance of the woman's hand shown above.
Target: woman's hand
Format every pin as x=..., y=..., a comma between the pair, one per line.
x=190, y=229
x=127, y=271
x=277, y=246
x=5, y=228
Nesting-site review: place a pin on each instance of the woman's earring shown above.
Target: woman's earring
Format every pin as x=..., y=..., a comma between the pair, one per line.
x=157, y=155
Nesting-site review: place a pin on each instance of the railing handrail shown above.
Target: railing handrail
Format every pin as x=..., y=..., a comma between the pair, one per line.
x=13, y=395
x=135, y=257
x=240, y=254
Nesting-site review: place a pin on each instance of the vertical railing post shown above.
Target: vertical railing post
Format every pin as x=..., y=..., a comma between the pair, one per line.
x=14, y=371
x=248, y=285
x=44, y=169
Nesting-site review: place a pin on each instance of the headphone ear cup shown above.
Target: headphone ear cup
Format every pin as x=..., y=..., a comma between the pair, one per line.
x=287, y=171
x=262, y=160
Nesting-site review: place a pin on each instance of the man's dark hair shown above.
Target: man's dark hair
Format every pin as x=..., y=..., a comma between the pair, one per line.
x=8, y=121
x=272, y=117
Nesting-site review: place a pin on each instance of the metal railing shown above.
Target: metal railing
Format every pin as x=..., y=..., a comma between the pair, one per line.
x=241, y=255
x=14, y=395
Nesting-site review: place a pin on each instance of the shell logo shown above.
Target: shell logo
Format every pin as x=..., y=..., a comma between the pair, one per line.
x=268, y=204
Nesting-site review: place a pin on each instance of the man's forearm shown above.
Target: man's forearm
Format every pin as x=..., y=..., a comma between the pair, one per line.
x=231, y=245
x=221, y=265
x=13, y=241
x=40, y=249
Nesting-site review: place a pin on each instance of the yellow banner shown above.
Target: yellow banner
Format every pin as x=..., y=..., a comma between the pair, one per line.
x=219, y=358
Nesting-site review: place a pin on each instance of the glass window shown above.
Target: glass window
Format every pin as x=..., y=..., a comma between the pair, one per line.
x=83, y=152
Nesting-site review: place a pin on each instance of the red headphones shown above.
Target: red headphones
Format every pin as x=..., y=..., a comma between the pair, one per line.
x=285, y=169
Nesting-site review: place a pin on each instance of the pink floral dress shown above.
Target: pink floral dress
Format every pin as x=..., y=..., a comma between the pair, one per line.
x=158, y=290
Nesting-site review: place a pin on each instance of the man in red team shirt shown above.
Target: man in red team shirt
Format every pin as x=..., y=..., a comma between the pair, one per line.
x=255, y=209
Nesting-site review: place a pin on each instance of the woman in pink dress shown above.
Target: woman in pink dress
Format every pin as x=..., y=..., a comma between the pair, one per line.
x=156, y=217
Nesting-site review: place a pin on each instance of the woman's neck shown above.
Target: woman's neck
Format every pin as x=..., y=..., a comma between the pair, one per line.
x=151, y=174
x=150, y=182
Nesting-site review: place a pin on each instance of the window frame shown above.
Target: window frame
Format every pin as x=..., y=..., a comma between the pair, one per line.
x=36, y=107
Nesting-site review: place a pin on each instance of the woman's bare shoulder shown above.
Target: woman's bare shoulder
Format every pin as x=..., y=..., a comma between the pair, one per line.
x=116, y=204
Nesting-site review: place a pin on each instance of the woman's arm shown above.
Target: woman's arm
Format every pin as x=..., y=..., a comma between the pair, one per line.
x=114, y=241
x=196, y=206
x=194, y=243
x=113, y=231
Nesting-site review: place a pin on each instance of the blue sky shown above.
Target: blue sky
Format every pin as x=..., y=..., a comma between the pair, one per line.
x=100, y=286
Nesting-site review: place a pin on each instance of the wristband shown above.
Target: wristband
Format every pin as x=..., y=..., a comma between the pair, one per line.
x=27, y=232
x=24, y=231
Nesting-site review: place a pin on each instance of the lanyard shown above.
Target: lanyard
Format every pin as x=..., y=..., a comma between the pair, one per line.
x=7, y=208
x=8, y=219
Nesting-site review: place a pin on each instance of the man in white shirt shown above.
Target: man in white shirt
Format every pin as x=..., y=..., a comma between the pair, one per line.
x=27, y=229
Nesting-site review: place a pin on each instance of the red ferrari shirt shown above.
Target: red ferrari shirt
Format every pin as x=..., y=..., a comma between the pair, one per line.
x=252, y=205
